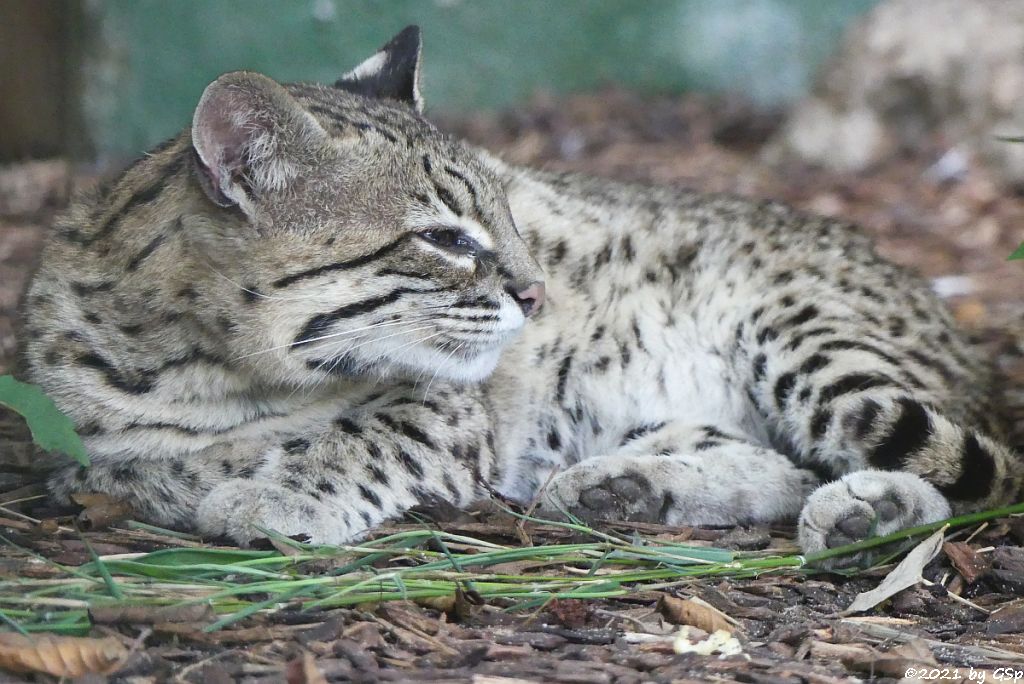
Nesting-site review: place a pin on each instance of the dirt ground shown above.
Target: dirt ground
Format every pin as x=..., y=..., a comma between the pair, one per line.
x=933, y=210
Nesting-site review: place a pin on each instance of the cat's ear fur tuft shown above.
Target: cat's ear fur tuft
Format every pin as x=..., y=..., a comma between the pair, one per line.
x=393, y=72
x=250, y=136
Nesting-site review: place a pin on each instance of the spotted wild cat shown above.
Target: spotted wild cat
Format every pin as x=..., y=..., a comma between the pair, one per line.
x=308, y=312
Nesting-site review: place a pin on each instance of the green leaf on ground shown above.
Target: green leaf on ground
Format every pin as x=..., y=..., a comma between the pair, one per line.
x=1017, y=253
x=51, y=429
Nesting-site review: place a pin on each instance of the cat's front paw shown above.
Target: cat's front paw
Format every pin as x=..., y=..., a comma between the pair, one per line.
x=864, y=504
x=596, y=490
x=240, y=509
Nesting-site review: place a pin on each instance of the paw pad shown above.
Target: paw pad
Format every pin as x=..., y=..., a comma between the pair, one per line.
x=864, y=504
x=849, y=530
x=623, y=497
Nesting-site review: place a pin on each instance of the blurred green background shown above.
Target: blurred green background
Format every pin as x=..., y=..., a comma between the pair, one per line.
x=139, y=66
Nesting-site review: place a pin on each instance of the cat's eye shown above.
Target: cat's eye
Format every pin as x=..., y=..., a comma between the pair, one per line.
x=452, y=239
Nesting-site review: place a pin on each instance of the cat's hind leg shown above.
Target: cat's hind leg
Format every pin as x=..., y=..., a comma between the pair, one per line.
x=682, y=474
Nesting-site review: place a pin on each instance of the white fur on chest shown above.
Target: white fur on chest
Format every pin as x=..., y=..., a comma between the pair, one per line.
x=674, y=374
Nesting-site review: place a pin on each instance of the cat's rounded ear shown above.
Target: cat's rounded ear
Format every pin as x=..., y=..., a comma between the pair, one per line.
x=250, y=136
x=393, y=72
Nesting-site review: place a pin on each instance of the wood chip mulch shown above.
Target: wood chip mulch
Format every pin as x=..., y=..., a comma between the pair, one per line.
x=930, y=210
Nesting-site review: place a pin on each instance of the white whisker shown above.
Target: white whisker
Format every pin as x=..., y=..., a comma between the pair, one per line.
x=342, y=333
x=438, y=369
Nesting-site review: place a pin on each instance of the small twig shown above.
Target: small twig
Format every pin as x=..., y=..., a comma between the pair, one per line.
x=976, y=532
x=27, y=518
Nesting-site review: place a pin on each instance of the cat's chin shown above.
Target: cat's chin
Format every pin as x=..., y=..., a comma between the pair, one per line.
x=424, y=366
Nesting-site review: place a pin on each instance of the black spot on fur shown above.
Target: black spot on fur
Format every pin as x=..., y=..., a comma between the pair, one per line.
x=626, y=248
x=296, y=446
x=798, y=339
x=446, y=196
x=138, y=382
x=624, y=354
x=783, y=386
x=783, y=278
x=378, y=474
x=146, y=251
x=125, y=472
x=416, y=434
x=85, y=289
x=369, y=496
x=640, y=431
x=854, y=345
x=759, y=363
x=814, y=363
x=906, y=437
x=820, y=421
x=347, y=426
x=558, y=252
x=932, y=363
x=977, y=473
x=410, y=463
x=563, y=378
x=854, y=382
x=805, y=314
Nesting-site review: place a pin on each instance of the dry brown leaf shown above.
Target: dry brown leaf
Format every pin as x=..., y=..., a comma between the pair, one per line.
x=904, y=575
x=48, y=526
x=60, y=656
x=87, y=499
x=455, y=605
x=692, y=612
x=100, y=511
x=101, y=517
x=968, y=562
x=571, y=613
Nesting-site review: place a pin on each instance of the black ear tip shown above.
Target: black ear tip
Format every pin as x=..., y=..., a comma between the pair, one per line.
x=406, y=42
x=410, y=34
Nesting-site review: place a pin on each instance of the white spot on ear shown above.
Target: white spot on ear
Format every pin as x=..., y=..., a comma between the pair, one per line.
x=368, y=68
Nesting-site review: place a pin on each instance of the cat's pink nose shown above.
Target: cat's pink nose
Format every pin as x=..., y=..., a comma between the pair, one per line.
x=530, y=298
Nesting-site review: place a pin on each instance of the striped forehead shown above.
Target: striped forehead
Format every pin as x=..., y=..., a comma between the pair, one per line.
x=340, y=111
x=456, y=194
x=460, y=197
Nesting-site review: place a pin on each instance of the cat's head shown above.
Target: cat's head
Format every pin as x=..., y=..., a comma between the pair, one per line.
x=359, y=240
